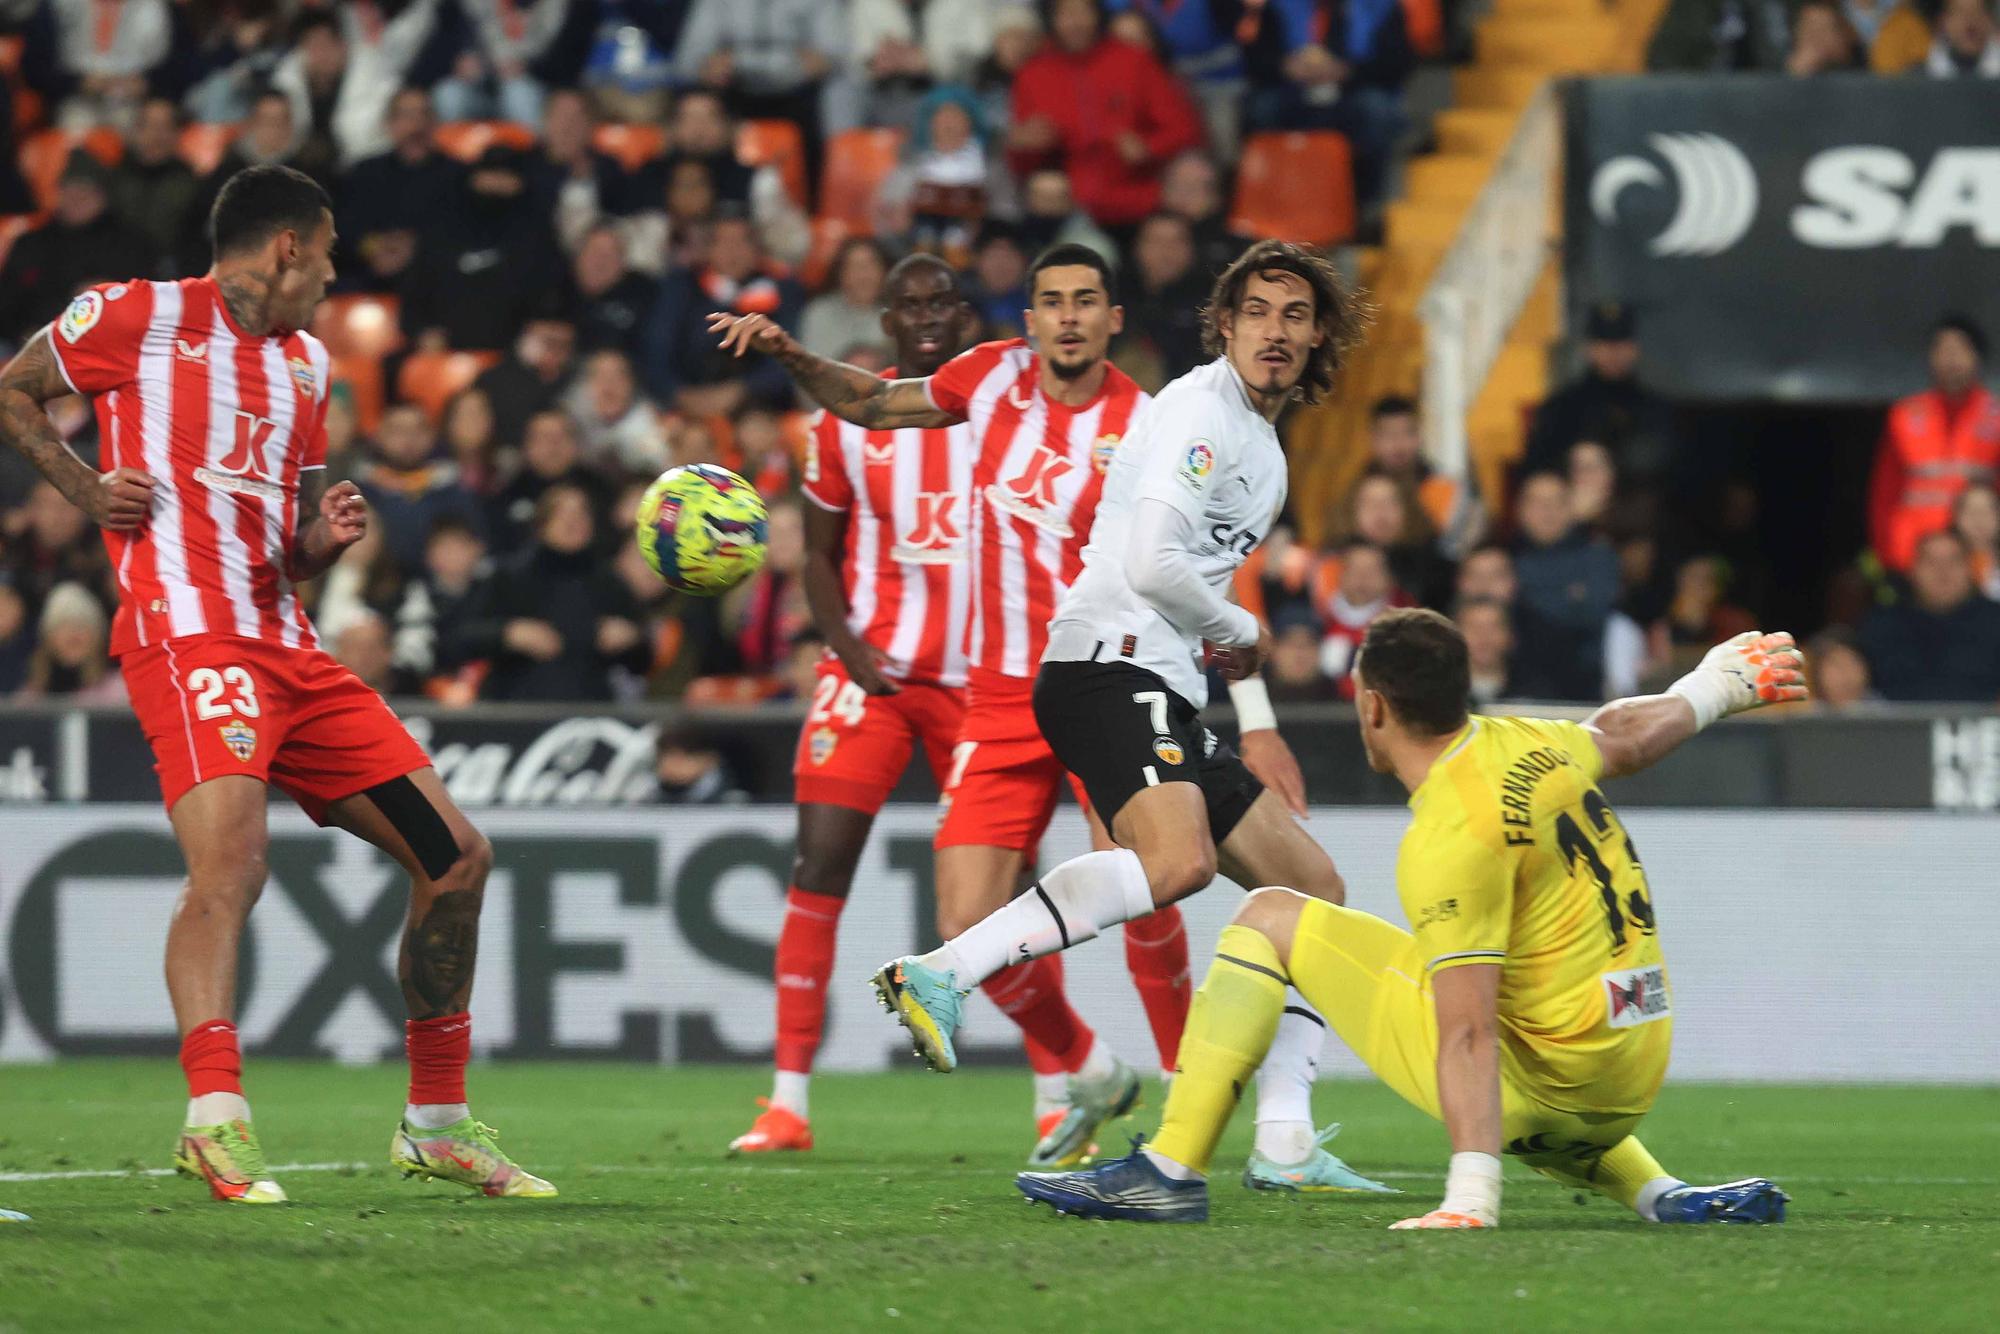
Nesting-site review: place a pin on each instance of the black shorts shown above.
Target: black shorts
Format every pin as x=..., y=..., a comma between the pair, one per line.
x=1121, y=729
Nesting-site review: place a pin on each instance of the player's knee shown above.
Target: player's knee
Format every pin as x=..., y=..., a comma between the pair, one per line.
x=1324, y=883
x=956, y=919
x=1181, y=871
x=474, y=862
x=825, y=871
x=1273, y=912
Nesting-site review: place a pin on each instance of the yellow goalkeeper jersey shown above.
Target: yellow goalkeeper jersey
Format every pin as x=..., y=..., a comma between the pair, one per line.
x=1515, y=858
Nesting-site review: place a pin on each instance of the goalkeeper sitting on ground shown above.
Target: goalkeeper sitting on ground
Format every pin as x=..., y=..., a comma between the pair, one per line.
x=1529, y=1008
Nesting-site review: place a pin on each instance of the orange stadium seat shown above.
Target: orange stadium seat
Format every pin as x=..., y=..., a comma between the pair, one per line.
x=857, y=162
x=429, y=379
x=633, y=144
x=202, y=146
x=467, y=139
x=359, y=324
x=362, y=377
x=1295, y=185
x=44, y=153
x=775, y=143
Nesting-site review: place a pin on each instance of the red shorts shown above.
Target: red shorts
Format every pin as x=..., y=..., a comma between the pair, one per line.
x=214, y=705
x=854, y=746
x=1004, y=779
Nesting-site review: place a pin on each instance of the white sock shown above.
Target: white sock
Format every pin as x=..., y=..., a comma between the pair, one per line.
x=1066, y=907
x=1051, y=1094
x=1646, y=1206
x=435, y=1115
x=1170, y=1169
x=214, y=1109
x=1285, y=1083
x=788, y=1091
x=1098, y=1062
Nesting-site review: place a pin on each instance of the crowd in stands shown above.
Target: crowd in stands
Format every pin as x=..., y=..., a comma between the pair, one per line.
x=539, y=202
x=1938, y=39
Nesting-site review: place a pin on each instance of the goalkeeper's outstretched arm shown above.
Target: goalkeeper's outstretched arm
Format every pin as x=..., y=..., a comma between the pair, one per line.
x=1743, y=673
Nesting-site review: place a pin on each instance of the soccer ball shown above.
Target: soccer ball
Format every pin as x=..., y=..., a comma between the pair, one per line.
x=701, y=528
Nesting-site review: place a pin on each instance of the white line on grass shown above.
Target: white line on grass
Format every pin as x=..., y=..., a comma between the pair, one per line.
x=279, y=1170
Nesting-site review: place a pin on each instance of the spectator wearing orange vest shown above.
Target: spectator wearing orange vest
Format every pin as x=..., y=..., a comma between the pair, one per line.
x=1396, y=447
x=1934, y=445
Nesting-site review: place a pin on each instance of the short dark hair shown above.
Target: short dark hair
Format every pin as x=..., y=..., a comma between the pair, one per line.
x=1392, y=405
x=1416, y=660
x=313, y=20
x=1338, y=313
x=259, y=202
x=1065, y=254
x=910, y=265
x=1965, y=327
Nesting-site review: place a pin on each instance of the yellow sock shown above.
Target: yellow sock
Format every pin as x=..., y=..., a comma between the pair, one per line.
x=1229, y=1027
x=1624, y=1169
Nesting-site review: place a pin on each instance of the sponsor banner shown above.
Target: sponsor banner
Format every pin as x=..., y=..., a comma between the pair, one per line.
x=1784, y=238
x=1801, y=945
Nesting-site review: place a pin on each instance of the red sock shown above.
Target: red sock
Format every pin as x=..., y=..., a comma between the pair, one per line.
x=1031, y=994
x=805, y=962
x=438, y=1050
x=1156, y=952
x=210, y=1058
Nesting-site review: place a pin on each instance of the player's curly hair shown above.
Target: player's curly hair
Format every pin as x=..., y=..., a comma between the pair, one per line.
x=1340, y=313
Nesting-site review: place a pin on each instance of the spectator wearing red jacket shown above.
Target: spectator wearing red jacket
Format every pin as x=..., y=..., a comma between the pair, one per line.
x=1934, y=445
x=1105, y=111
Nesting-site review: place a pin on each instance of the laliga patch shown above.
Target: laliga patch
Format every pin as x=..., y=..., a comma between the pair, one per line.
x=81, y=316
x=302, y=376
x=1168, y=749
x=819, y=748
x=1194, y=470
x=1102, y=450
x=1635, y=996
x=241, y=739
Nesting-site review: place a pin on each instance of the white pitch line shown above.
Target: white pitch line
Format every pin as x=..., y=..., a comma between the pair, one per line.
x=279, y=1170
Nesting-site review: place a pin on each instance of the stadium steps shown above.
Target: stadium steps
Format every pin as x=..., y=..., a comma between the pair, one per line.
x=1519, y=46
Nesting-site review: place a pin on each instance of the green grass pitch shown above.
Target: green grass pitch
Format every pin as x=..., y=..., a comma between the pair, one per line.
x=905, y=1217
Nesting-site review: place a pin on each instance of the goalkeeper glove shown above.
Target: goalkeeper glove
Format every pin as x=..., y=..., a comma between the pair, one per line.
x=1742, y=673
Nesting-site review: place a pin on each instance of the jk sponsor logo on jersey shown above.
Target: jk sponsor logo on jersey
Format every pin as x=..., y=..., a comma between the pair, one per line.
x=1200, y=462
x=1033, y=494
x=1636, y=996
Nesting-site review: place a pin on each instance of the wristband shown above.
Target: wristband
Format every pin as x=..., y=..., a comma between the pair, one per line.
x=1472, y=1187
x=1707, y=693
x=1253, y=705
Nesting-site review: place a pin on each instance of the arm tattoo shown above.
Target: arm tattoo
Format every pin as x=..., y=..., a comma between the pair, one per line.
x=305, y=563
x=855, y=395
x=27, y=384
x=439, y=954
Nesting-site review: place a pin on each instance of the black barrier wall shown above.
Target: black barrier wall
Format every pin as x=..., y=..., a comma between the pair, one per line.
x=1788, y=239
x=514, y=756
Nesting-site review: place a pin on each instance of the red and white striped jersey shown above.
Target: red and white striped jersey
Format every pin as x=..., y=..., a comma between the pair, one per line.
x=225, y=422
x=1035, y=483
x=908, y=581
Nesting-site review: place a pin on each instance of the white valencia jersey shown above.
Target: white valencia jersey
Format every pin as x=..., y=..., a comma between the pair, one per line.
x=1201, y=448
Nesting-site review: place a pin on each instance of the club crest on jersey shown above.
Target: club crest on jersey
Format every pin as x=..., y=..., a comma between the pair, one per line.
x=1168, y=749
x=1102, y=451
x=241, y=738
x=1199, y=464
x=81, y=316
x=303, y=377
x=819, y=746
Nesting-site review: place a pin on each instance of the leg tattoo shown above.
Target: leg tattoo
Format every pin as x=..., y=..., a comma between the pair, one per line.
x=439, y=954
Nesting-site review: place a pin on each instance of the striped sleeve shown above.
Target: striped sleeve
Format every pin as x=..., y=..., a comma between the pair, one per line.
x=952, y=386
x=1459, y=896
x=827, y=484
x=96, y=339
